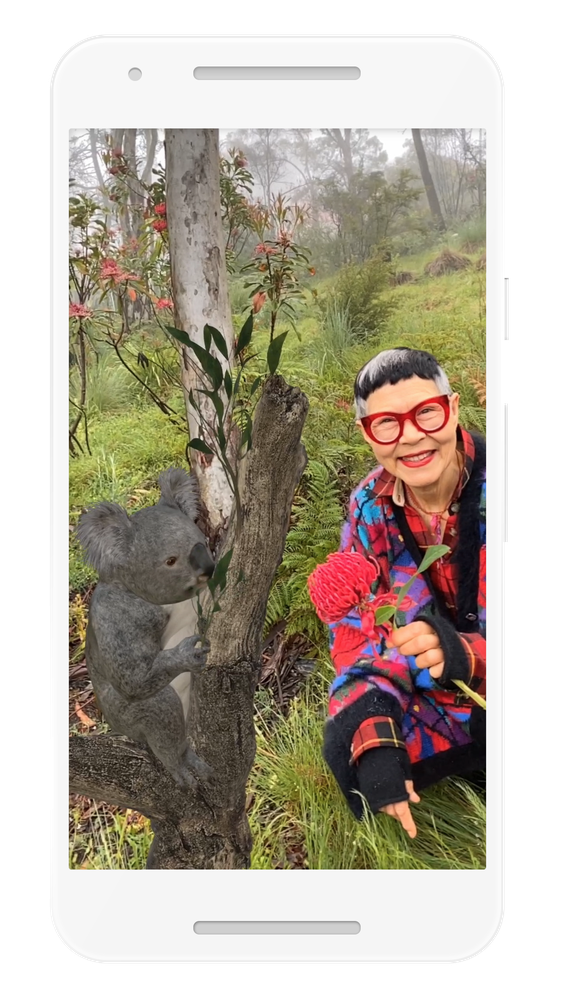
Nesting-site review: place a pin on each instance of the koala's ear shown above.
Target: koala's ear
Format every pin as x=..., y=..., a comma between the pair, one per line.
x=178, y=489
x=104, y=532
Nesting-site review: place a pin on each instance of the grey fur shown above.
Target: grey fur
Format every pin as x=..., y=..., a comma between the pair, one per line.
x=133, y=676
x=179, y=489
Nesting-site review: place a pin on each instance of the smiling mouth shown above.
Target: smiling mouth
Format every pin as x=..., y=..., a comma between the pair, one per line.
x=420, y=458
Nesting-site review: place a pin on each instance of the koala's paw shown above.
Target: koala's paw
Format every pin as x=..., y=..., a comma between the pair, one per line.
x=198, y=766
x=191, y=770
x=195, y=659
x=183, y=777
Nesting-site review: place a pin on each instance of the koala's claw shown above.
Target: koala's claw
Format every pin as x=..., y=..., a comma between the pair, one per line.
x=195, y=658
x=191, y=771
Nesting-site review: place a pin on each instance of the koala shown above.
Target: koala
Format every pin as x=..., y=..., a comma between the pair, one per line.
x=140, y=644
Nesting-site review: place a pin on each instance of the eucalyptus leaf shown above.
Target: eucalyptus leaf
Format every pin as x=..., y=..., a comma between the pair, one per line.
x=200, y=445
x=245, y=334
x=219, y=340
x=274, y=351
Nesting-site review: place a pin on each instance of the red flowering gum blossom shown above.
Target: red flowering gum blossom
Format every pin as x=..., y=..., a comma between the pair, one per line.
x=342, y=583
x=160, y=225
x=160, y=209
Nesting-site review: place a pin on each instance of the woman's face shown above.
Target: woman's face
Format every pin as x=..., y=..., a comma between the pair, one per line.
x=419, y=458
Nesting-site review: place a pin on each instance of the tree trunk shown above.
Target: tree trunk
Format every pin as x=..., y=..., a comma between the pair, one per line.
x=343, y=141
x=207, y=827
x=151, y=136
x=93, y=134
x=136, y=197
x=199, y=288
x=427, y=180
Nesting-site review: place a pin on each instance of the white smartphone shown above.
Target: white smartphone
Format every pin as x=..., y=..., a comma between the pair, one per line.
x=281, y=262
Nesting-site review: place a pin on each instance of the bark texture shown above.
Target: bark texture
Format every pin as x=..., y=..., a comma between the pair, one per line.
x=427, y=180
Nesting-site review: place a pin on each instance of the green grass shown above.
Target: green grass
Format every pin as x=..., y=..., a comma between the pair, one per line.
x=112, y=840
x=297, y=807
x=297, y=814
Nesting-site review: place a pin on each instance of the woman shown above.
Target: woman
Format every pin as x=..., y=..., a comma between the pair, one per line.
x=397, y=723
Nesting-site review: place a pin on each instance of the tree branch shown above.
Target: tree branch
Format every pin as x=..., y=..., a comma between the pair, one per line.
x=114, y=769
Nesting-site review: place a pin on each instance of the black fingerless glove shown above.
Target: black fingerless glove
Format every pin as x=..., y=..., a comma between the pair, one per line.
x=456, y=664
x=382, y=773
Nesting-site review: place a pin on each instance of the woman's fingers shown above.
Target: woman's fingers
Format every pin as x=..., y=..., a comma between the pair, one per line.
x=413, y=797
x=437, y=671
x=403, y=814
x=419, y=644
x=431, y=658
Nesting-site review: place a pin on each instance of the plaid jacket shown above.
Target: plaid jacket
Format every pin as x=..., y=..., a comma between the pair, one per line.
x=379, y=697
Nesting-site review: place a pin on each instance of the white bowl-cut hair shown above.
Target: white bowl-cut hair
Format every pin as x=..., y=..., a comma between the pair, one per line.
x=396, y=365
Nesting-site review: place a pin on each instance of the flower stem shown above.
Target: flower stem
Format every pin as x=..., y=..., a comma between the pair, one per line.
x=471, y=694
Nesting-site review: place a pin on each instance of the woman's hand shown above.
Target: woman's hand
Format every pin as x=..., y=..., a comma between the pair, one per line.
x=401, y=811
x=420, y=640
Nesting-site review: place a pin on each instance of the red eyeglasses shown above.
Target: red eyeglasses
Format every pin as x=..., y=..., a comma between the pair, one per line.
x=429, y=416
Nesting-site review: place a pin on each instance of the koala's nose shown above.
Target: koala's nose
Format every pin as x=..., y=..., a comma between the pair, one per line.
x=200, y=559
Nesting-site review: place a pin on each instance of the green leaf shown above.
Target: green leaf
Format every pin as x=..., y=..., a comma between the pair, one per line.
x=216, y=606
x=219, y=340
x=246, y=437
x=237, y=380
x=384, y=614
x=207, y=337
x=200, y=445
x=228, y=383
x=216, y=400
x=220, y=573
x=179, y=335
x=274, y=351
x=245, y=334
x=433, y=552
x=210, y=364
x=218, y=404
x=255, y=384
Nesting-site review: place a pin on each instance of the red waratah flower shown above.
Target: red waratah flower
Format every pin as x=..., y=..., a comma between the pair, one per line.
x=258, y=301
x=75, y=309
x=164, y=304
x=160, y=225
x=341, y=584
x=344, y=583
x=260, y=248
x=160, y=209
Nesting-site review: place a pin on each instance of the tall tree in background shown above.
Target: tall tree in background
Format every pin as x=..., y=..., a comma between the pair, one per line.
x=427, y=181
x=124, y=147
x=263, y=150
x=356, y=151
